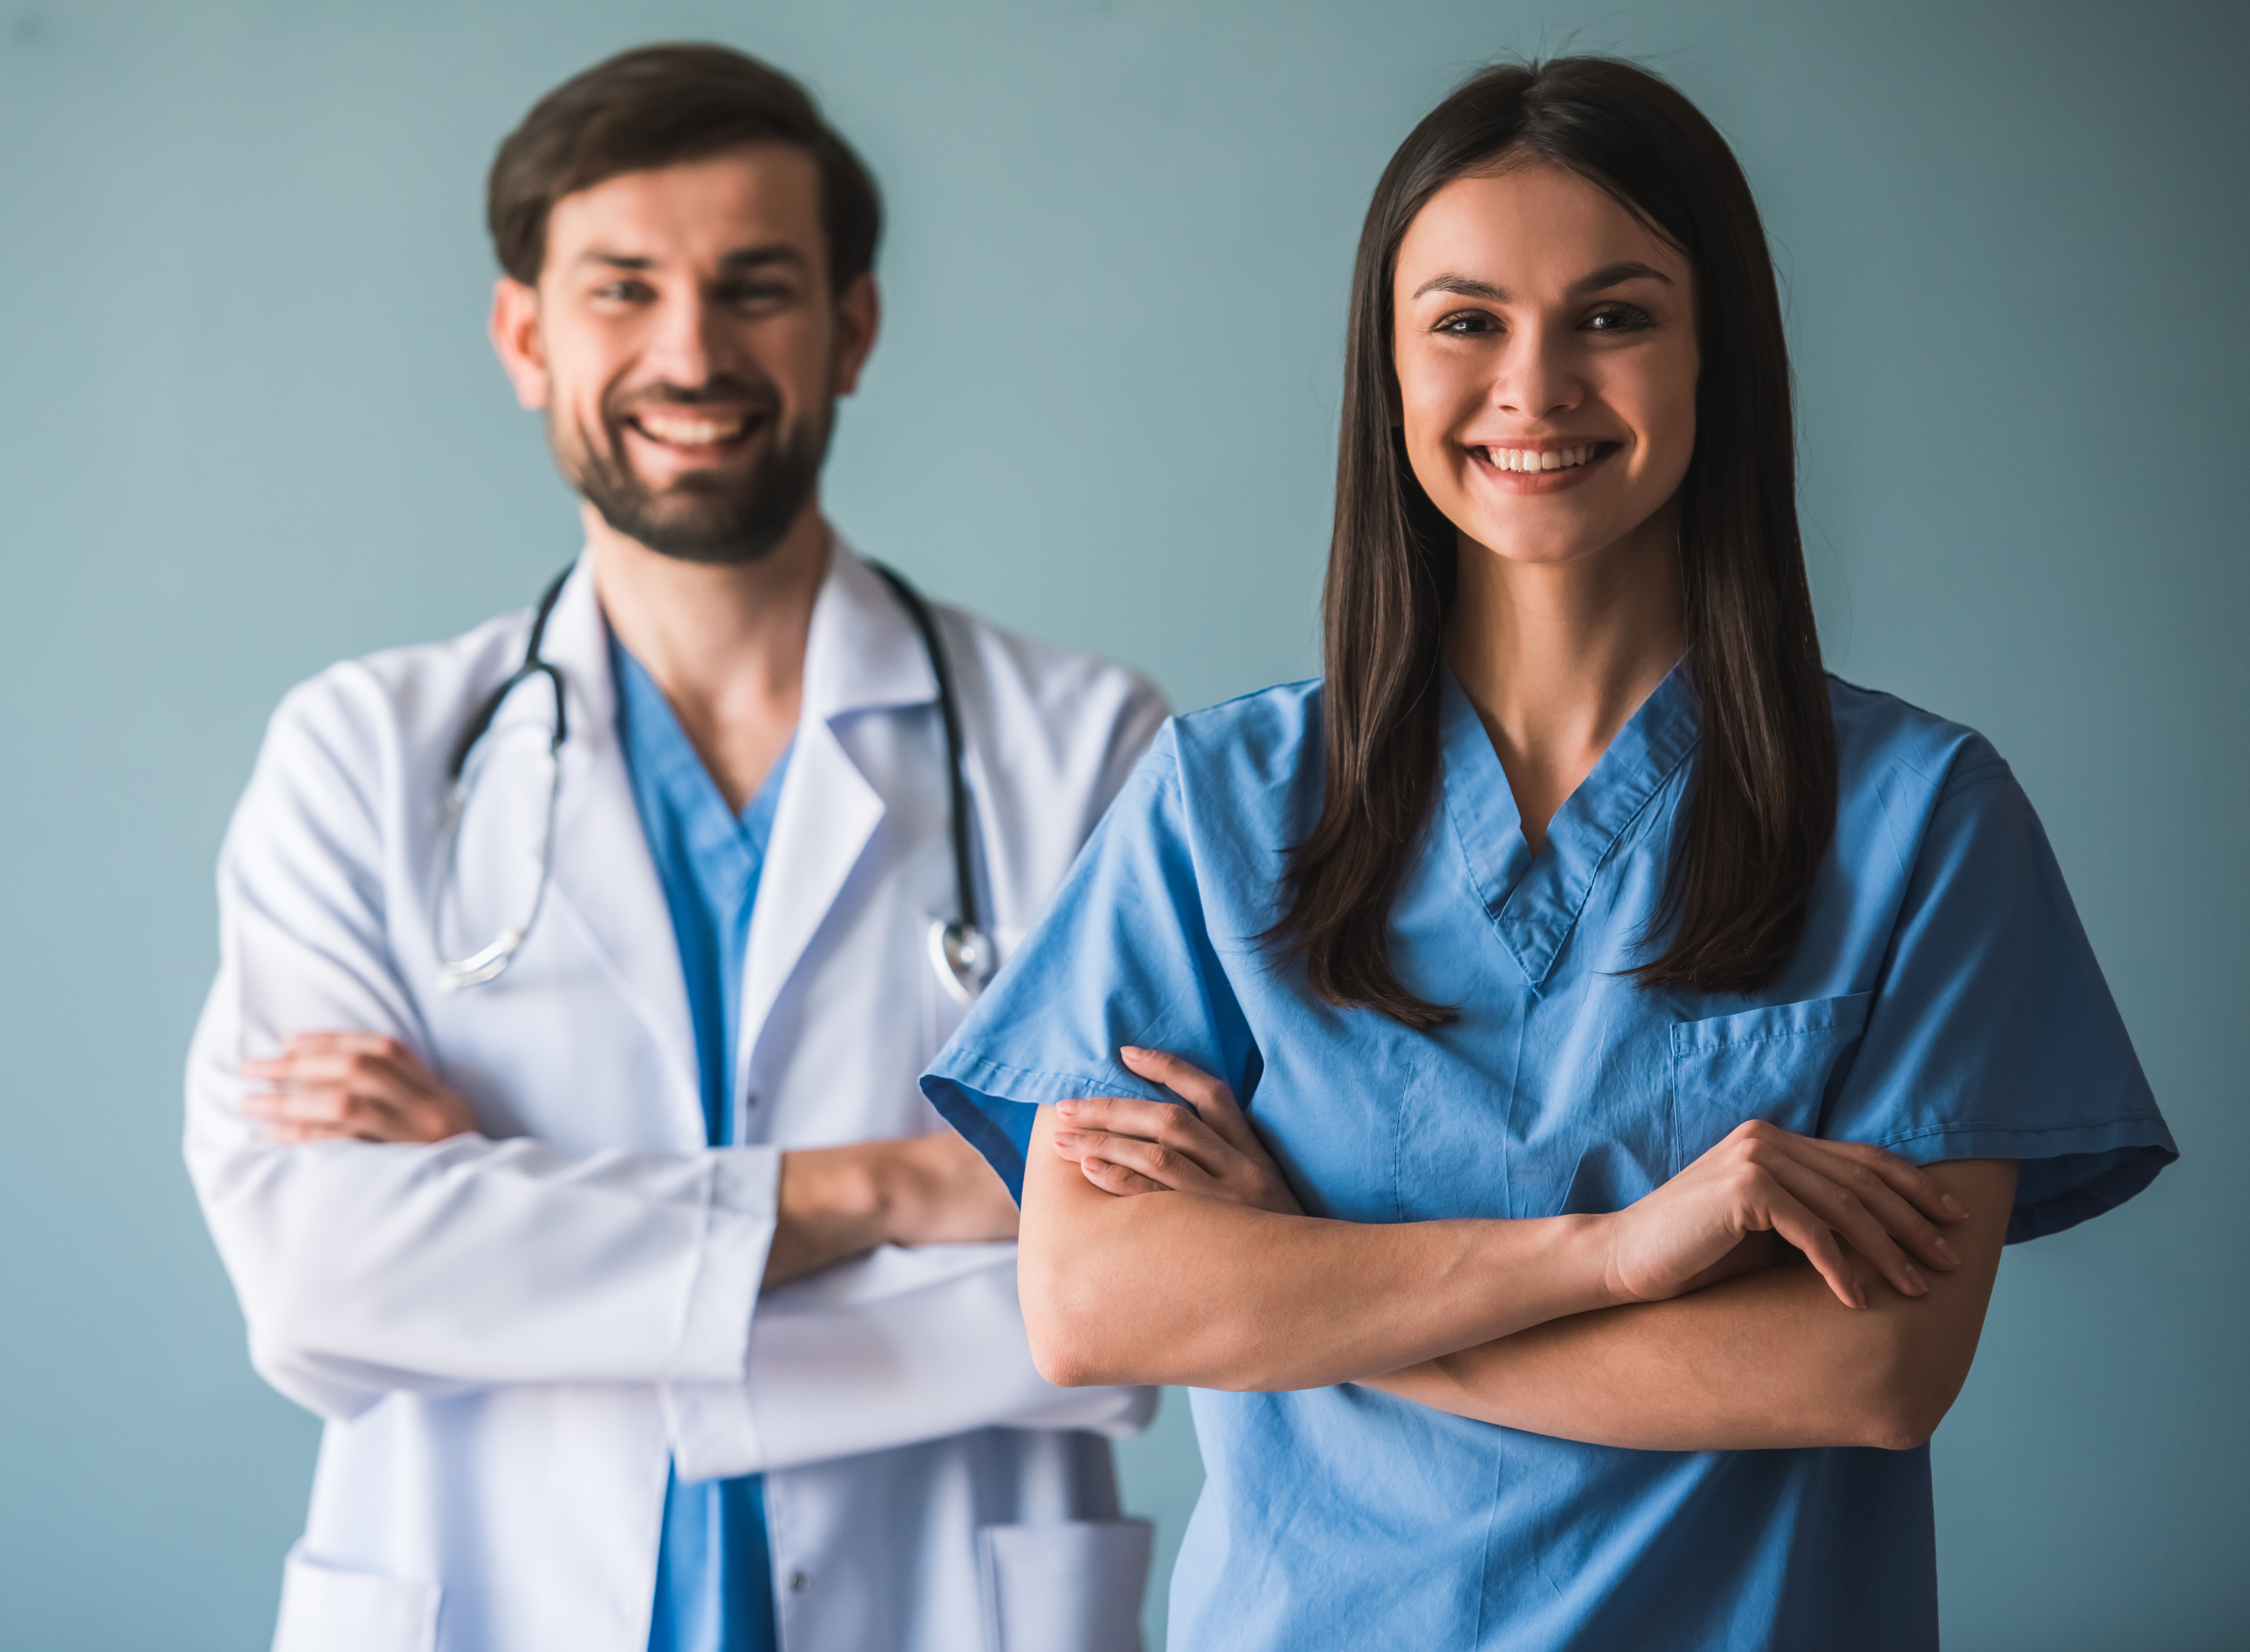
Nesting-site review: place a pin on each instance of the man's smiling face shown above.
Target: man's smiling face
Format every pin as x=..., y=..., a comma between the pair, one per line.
x=686, y=345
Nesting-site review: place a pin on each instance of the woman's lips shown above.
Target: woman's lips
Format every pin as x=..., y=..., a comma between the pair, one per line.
x=1546, y=466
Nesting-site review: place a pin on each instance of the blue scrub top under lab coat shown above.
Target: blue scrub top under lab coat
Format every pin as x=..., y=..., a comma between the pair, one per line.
x=715, y=1570
x=1943, y=1002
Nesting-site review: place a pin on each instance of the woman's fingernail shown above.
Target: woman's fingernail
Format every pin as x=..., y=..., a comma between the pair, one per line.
x=1131, y=1050
x=1067, y=1109
x=1065, y=1138
x=1954, y=1207
x=1944, y=1250
x=1914, y=1278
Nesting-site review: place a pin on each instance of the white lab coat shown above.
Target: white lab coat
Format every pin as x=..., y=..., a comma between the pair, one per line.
x=514, y=1335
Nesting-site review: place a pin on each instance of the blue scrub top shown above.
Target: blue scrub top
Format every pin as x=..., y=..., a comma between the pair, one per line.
x=714, y=1571
x=1943, y=1003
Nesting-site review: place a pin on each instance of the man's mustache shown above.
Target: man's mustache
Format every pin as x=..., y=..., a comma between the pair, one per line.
x=758, y=397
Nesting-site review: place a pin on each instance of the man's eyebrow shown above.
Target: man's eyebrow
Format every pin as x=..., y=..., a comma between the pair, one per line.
x=1609, y=275
x=748, y=258
x=751, y=258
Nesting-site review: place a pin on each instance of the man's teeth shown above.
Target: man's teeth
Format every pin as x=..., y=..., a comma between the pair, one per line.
x=1527, y=459
x=690, y=432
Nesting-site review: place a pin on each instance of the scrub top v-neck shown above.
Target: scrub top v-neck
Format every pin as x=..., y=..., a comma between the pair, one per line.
x=1943, y=1002
x=714, y=1573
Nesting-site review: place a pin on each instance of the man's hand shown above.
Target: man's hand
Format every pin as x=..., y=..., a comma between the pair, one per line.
x=840, y=1202
x=836, y=1202
x=352, y=1087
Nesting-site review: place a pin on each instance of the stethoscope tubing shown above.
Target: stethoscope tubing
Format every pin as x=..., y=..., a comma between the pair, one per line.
x=959, y=952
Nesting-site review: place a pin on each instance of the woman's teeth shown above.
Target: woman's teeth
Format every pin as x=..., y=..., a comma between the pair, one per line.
x=1528, y=459
x=689, y=432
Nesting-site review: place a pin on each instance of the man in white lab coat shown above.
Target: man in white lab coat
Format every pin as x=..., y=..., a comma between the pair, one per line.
x=648, y=1304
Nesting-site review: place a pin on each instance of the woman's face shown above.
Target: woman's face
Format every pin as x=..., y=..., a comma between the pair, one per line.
x=1545, y=345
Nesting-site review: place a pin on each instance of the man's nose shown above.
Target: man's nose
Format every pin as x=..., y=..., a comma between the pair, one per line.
x=687, y=346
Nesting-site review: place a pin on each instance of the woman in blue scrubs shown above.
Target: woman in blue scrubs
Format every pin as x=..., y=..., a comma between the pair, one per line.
x=1645, y=1042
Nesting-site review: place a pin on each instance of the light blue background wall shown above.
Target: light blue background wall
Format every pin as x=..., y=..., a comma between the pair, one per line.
x=248, y=424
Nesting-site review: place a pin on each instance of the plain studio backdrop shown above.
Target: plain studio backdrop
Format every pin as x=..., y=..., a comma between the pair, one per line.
x=249, y=424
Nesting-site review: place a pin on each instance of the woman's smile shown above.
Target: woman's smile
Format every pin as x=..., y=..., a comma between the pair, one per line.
x=1549, y=465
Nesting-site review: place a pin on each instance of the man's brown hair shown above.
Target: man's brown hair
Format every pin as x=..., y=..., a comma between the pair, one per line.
x=656, y=107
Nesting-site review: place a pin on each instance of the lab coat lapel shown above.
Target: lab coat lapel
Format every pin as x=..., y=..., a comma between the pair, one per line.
x=862, y=654
x=605, y=878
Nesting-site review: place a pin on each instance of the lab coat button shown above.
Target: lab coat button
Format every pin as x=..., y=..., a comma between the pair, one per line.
x=799, y=1582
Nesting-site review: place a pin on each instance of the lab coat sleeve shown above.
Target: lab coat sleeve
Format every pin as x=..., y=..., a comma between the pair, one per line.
x=364, y=1268
x=902, y=1346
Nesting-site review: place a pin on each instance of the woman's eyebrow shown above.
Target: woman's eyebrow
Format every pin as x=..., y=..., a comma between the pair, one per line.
x=1613, y=275
x=1467, y=286
x=1609, y=275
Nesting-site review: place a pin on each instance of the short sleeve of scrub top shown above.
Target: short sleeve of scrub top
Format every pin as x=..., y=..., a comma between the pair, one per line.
x=1942, y=1001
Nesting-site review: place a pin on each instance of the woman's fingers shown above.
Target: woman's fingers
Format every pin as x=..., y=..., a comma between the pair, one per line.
x=1813, y=1236
x=1212, y=1098
x=1166, y=1168
x=1162, y=1121
x=1115, y=1179
x=1841, y=1209
x=1821, y=1178
x=1911, y=1181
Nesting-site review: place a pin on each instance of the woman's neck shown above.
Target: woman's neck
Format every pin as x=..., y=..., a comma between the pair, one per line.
x=1556, y=657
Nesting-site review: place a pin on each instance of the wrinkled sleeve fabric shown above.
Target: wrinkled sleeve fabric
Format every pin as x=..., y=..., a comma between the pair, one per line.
x=1123, y=956
x=1993, y=1034
x=363, y=1269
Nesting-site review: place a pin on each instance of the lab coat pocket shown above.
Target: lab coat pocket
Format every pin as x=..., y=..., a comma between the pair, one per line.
x=326, y=1609
x=1774, y=1064
x=1071, y=1588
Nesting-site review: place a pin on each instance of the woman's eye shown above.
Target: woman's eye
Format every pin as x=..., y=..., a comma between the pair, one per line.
x=1618, y=318
x=1467, y=324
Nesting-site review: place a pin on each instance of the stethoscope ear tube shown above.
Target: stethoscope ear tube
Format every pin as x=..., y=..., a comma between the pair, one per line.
x=454, y=974
x=960, y=952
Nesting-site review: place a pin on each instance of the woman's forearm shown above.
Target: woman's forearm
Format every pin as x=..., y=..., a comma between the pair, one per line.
x=1769, y=1360
x=1175, y=1288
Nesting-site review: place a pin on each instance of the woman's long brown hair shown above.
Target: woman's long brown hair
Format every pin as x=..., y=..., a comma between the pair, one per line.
x=1762, y=805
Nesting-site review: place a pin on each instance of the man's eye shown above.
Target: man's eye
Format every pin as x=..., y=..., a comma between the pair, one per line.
x=626, y=293
x=1618, y=318
x=748, y=294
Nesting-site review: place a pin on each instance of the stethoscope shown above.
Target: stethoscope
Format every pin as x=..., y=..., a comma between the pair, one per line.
x=959, y=952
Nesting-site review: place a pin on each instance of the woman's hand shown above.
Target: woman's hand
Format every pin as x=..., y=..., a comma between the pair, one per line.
x=1727, y=1214
x=352, y=1087
x=1126, y=1147
x=1763, y=1179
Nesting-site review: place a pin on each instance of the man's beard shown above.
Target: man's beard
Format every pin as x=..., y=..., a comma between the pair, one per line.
x=706, y=516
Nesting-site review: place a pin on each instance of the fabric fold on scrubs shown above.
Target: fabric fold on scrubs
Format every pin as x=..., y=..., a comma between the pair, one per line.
x=714, y=1566
x=1943, y=1002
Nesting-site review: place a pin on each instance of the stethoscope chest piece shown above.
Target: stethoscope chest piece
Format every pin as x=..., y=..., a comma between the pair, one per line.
x=963, y=957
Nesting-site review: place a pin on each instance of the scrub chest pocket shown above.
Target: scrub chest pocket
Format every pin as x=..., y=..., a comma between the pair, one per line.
x=1775, y=1063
